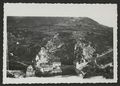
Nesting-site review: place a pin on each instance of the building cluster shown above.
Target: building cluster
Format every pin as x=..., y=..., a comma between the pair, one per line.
x=43, y=65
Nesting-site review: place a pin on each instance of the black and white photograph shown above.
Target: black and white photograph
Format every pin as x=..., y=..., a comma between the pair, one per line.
x=60, y=43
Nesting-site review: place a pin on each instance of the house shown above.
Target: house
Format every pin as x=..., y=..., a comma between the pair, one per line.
x=56, y=64
x=46, y=68
x=30, y=72
x=54, y=67
x=58, y=70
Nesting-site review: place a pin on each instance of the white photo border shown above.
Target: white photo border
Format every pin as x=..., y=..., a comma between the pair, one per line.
x=60, y=10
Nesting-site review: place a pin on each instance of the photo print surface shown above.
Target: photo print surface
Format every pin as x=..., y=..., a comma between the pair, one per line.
x=59, y=47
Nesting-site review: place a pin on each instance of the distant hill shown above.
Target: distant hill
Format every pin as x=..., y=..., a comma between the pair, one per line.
x=56, y=23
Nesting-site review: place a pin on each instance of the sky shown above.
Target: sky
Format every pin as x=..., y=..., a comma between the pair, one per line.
x=105, y=14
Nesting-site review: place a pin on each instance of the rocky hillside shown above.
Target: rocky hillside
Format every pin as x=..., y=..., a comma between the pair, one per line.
x=71, y=39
